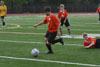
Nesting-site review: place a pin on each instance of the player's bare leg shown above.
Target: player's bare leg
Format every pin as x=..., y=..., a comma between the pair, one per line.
x=99, y=18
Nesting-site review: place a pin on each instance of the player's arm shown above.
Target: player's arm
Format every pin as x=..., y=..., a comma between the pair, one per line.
x=0, y=9
x=65, y=20
x=89, y=45
x=59, y=33
x=36, y=25
x=43, y=22
x=66, y=14
x=6, y=11
x=97, y=11
x=59, y=15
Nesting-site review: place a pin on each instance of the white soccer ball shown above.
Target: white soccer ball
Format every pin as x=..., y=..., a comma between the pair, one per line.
x=35, y=52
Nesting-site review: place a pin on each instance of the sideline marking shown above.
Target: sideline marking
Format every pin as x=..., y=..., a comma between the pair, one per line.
x=15, y=26
x=50, y=61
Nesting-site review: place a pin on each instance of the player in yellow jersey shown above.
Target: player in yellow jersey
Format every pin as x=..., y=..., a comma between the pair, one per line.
x=3, y=12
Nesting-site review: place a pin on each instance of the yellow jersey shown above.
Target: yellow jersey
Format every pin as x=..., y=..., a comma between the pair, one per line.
x=3, y=10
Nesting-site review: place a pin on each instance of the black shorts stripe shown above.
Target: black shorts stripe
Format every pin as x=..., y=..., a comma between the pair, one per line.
x=67, y=23
x=97, y=43
x=51, y=36
x=2, y=17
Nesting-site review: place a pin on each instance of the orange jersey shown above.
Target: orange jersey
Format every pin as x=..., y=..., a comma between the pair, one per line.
x=98, y=10
x=53, y=23
x=90, y=40
x=63, y=14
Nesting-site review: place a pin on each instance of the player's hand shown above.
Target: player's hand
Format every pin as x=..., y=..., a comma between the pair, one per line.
x=86, y=47
x=59, y=33
x=36, y=25
x=64, y=21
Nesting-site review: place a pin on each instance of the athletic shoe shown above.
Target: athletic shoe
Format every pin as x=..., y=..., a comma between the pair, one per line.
x=49, y=52
x=99, y=21
x=69, y=36
x=4, y=26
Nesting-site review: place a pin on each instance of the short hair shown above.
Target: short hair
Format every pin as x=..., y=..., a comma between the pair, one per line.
x=47, y=9
x=1, y=1
x=85, y=34
x=62, y=5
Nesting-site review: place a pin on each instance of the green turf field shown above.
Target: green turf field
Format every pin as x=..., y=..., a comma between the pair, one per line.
x=19, y=38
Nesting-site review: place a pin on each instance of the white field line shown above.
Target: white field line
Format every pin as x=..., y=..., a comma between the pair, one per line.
x=71, y=26
x=63, y=29
x=18, y=26
x=84, y=30
x=72, y=29
x=50, y=61
x=29, y=20
x=84, y=25
x=21, y=33
x=11, y=41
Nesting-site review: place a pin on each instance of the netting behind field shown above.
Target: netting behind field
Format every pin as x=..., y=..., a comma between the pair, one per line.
x=39, y=8
x=36, y=6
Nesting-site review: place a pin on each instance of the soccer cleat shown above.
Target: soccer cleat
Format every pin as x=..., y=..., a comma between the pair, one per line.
x=69, y=36
x=99, y=21
x=49, y=52
x=4, y=26
x=61, y=41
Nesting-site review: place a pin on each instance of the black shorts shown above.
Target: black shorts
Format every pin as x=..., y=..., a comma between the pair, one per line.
x=66, y=23
x=2, y=17
x=97, y=43
x=51, y=36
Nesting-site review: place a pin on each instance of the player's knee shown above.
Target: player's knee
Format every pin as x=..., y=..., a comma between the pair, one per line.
x=45, y=39
x=2, y=20
x=68, y=27
x=50, y=41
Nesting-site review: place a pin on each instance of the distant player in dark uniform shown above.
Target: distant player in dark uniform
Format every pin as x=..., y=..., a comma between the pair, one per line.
x=63, y=16
x=98, y=10
x=3, y=12
x=53, y=29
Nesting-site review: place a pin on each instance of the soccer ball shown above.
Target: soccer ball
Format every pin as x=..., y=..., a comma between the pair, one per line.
x=35, y=52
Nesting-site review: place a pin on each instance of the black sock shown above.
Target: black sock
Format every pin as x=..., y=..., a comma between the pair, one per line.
x=69, y=33
x=56, y=41
x=49, y=48
x=61, y=31
x=3, y=23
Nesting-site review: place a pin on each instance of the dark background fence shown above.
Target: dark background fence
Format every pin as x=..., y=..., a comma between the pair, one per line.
x=38, y=8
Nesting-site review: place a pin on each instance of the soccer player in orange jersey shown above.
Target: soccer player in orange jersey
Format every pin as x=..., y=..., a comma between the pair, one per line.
x=89, y=42
x=63, y=16
x=98, y=11
x=3, y=12
x=53, y=29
